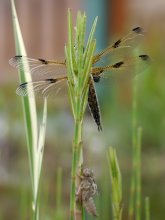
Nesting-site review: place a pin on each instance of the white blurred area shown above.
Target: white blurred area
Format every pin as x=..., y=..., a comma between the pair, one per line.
x=147, y=11
x=148, y=7
x=44, y=26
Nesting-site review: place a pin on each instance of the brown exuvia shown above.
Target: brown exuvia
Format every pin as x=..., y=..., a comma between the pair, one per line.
x=86, y=191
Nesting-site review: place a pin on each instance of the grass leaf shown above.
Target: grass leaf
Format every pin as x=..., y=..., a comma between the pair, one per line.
x=116, y=184
x=35, y=141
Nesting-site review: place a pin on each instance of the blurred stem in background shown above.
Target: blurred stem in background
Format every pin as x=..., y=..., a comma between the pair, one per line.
x=147, y=208
x=60, y=212
x=135, y=189
x=59, y=188
x=116, y=184
x=35, y=136
x=134, y=144
x=79, y=63
x=138, y=175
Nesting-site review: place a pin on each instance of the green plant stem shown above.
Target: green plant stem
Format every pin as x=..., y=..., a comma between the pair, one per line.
x=134, y=143
x=147, y=208
x=138, y=175
x=79, y=62
x=116, y=184
x=35, y=135
x=36, y=212
x=59, y=188
x=76, y=168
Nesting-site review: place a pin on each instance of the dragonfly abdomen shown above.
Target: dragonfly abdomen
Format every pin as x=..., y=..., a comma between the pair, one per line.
x=90, y=206
x=93, y=105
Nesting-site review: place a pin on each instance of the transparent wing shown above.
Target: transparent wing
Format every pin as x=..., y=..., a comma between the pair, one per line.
x=39, y=68
x=124, y=68
x=44, y=88
x=122, y=47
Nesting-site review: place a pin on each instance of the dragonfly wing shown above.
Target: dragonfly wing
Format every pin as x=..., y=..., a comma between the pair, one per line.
x=121, y=48
x=39, y=68
x=45, y=88
x=124, y=69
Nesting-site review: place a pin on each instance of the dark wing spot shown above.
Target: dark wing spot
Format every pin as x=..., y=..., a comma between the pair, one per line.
x=51, y=80
x=116, y=44
x=119, y=64
x=43, y=61
x=23, y=85
x=18, y=56
x=138, y=30
x=144, y=57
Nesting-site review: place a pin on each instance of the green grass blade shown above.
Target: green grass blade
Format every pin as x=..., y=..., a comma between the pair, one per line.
x=29, y=105
x=79, y=40
x=91, y=35
x=70, y=51
x=40, y=150
x=59, y=188
x=90, y=47
x=35, y=141
x=59, y=211
x=138, y=175
x=78, y=69
x=147, y=208
x=116, y=184
x=134, y=145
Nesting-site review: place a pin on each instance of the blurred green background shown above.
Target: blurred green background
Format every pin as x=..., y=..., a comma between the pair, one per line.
x=44, y=28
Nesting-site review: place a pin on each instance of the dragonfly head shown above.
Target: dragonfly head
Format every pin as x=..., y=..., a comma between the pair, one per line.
x=96, y=79
x=87, y=172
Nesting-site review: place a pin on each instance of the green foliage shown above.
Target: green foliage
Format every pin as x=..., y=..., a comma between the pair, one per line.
x=116, y=184
x=147, y=208
x=138, y=174
x=59, y=213
x=35, y=136
x=79, y=63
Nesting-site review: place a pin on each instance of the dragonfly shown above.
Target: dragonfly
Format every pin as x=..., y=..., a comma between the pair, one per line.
x=47, y=75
